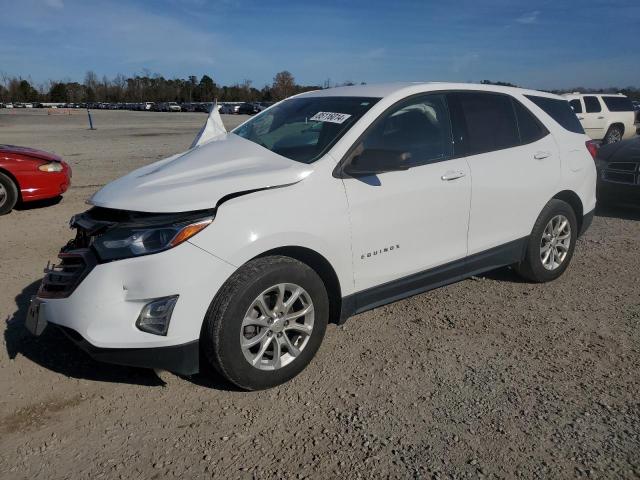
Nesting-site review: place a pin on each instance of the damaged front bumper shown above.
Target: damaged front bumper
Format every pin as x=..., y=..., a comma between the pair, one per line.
x=97, y=304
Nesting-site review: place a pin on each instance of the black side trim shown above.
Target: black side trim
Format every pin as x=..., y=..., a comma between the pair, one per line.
x=457, y=270
x=183, y=359
x=587, y=219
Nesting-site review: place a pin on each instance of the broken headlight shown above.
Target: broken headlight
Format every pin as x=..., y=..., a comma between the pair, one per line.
x=131, y=241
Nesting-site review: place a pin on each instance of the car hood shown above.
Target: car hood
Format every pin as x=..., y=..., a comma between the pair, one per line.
x=199, y=178
x=626, y=150
x=29, y=152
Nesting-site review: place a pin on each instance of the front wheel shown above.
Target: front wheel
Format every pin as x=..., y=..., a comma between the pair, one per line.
x=8, y=194
x=551, y=243
x=266, y=322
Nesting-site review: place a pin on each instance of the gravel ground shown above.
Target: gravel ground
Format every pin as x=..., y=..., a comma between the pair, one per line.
x=491, y=377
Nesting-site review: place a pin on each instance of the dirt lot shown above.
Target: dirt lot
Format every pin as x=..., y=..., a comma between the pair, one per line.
x=491, y=377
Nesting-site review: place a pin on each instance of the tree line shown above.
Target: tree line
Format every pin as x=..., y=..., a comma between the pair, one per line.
x=147, y=88
x=632, y=92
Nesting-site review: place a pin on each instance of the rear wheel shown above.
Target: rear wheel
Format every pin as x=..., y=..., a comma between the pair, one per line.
x=614, y=134
x=266, y=323
x=8, y=194
x=551, y=243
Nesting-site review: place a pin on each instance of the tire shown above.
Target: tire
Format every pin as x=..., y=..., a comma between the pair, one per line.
x=8, y=194
x=231, y=316
x=533, y=267
x=614, y=134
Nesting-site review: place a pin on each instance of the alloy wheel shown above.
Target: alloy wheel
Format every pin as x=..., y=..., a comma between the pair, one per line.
x=555, y=242
x=277, y=326
x=614, y=136
x=3, y=195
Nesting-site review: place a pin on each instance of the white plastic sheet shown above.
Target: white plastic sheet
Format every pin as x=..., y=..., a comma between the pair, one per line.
x=212, y=128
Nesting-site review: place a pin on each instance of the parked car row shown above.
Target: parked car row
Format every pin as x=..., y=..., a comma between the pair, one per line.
x=16, y=105
x=227, y=107
x=247, y=108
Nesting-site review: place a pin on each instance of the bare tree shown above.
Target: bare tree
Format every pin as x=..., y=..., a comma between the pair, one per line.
x=284, y=85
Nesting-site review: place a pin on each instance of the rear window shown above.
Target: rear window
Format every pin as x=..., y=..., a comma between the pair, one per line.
x=491, y=123
x=576, y=105
x=592, y=105
x=560, y=111
x=618, y=104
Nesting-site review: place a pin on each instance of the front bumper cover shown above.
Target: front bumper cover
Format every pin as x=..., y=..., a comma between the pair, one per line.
x=183, y=359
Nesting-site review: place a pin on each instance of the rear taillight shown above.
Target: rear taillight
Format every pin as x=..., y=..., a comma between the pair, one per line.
x=592, y=146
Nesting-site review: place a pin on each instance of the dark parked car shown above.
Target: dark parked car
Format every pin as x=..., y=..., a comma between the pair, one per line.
x=203, y=107
x=189, y=107
x=228, y=109
x=249, y=108
x=265, y=105
x=619, y=172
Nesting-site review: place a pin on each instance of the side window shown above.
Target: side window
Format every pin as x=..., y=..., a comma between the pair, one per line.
x=576, y=105
x=530, y=128
x=592, y=105
x=491, y=122
x=417, y=130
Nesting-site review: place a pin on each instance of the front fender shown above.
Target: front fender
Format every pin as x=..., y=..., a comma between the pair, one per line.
x=310, y=214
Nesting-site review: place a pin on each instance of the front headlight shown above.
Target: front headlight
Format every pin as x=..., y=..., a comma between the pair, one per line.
x=132, y=241
x=51, y=167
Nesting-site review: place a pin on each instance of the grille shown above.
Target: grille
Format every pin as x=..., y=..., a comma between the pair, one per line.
x=61, y=279
x=623, y=172
x=623, y=166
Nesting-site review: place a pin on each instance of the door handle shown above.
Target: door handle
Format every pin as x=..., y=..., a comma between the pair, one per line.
x=451, y=175
x=600, y=117
x=541, y=155
x=580, y=118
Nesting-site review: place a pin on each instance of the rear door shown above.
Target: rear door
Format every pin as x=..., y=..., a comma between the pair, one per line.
x=593, y=119
x=514, y=164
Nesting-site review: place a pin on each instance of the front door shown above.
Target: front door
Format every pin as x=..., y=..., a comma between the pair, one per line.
x=404, y=222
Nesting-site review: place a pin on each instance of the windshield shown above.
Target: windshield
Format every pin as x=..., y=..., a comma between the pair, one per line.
x=303, y=129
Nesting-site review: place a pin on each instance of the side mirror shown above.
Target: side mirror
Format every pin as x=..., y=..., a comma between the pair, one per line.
x=374, y=160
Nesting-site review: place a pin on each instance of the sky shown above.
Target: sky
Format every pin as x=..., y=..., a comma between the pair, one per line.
x=536, y=44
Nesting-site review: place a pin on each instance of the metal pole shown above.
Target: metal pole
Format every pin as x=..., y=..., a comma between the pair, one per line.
x=90, y=120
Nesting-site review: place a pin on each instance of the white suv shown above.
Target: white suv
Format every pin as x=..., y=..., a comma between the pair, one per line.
x=325, y=205
x=609, y=118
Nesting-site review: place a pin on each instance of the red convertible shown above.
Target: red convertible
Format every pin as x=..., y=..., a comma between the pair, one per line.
x=27, y=174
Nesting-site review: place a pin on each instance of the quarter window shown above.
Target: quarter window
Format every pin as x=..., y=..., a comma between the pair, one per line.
x=618, y=104
x=576, y=105
x=490, y=120
x=592, y=105
x=530, y=128
x=418, y=130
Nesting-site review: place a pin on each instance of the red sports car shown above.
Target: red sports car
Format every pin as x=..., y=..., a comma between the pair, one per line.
x=27, y=174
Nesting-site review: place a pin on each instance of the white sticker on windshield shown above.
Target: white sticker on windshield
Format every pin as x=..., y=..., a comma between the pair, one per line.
x=330, y=117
